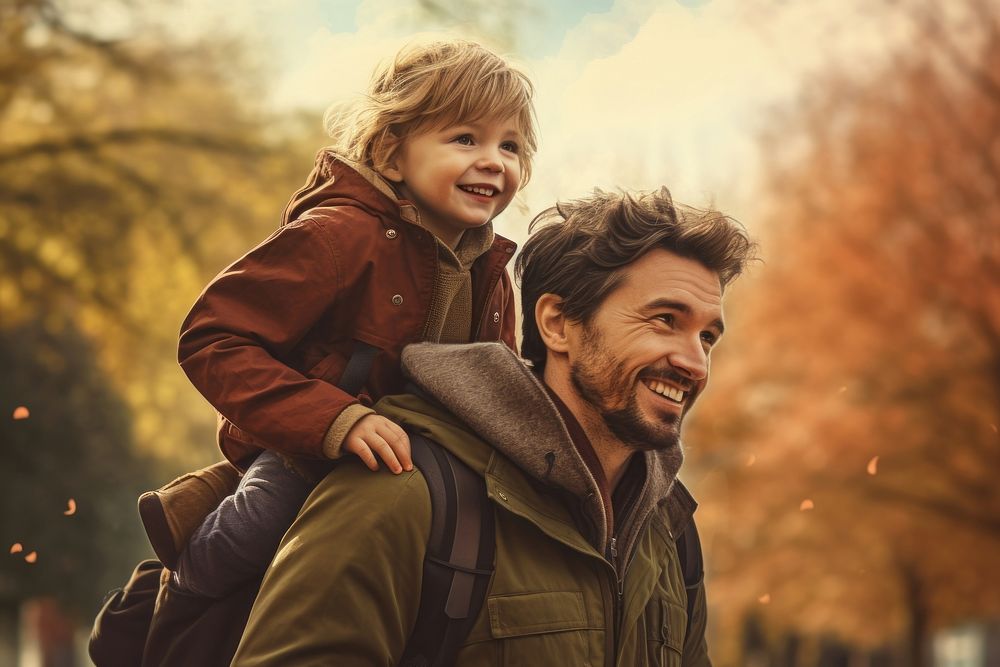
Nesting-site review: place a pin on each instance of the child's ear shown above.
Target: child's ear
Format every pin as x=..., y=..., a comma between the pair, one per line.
x=392, y=172
x=388, y=158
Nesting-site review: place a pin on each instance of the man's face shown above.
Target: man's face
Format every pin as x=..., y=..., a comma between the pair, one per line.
x=643, y=359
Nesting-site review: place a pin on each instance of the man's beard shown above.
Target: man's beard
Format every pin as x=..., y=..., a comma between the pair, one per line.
x=599, y=377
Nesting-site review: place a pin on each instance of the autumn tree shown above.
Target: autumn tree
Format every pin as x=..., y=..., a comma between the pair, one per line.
x=69, y=436
x=132, y=169
x=854, y=421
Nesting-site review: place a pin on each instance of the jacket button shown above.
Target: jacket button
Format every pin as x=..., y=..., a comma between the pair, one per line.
x=397, y=299
x=496, y=317
x=390, y=233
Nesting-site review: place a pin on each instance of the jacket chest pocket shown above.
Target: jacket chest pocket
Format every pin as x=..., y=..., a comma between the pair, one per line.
x=540, y=629
x=666, y=625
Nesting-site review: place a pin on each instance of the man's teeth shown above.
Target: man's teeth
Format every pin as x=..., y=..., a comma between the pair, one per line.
x=664, y=390
x=488, y=192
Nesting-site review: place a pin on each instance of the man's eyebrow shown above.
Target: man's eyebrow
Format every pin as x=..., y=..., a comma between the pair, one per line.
x=683, y=308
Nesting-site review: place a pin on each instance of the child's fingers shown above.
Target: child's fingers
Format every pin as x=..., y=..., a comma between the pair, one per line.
x=385, y=452
x=399, y=442
x=358, y=447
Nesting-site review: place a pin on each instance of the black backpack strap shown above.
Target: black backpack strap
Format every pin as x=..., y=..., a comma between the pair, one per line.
x=692, y=563
x=359, y=366
x=459, y=561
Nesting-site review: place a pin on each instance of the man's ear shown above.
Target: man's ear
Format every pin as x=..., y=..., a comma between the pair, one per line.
x=551, y=322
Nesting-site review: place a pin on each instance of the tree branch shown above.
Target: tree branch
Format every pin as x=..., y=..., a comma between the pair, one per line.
x=89, y=143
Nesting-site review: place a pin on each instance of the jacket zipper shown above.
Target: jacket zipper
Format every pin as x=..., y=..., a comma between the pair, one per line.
x=620, y=580
x=619, y=592
x=620, y=583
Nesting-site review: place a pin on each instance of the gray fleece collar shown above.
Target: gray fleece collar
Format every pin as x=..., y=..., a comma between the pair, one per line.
x=490, y=389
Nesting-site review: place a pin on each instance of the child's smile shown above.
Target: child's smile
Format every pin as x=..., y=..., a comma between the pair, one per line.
x=459, y=177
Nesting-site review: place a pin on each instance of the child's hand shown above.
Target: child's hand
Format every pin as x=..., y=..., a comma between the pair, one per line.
x=375, y=434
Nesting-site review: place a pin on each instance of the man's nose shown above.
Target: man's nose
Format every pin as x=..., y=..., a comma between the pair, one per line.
x=690, y=360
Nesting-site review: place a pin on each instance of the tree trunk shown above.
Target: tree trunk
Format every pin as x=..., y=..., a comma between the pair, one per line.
x=9, y=632
x=917, y=628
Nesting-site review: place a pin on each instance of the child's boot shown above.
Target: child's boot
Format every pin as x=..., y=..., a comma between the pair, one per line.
x=171, y=513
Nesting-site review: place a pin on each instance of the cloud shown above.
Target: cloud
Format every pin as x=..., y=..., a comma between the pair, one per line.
x=653, y=93
x=646, y=95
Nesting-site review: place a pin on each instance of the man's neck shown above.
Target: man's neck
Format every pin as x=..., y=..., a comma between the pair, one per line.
x=613, y=457
x=611, y=453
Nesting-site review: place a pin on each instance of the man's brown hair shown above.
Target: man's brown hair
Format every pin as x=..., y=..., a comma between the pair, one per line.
x=579, y=248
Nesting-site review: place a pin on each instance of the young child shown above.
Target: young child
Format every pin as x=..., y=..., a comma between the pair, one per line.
x=389, y=242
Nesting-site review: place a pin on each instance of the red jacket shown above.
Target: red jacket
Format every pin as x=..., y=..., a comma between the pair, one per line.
x=269, y=337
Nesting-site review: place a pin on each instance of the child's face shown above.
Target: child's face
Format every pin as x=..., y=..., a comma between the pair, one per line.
x=459, y=177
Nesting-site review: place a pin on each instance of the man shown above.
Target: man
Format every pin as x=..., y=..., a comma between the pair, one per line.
x=622, y=298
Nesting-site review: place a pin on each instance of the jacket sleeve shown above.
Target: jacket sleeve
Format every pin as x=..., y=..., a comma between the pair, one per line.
x=695, y=644
x=344, y=587
x=249, y=318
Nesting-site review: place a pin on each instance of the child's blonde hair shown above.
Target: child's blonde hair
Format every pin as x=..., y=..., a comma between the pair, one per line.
x=433, y=86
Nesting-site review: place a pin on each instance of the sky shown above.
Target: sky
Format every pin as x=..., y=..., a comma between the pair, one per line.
x=633, y=94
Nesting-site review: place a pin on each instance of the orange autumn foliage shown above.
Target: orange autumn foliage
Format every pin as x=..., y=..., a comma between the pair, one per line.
x=868, y=342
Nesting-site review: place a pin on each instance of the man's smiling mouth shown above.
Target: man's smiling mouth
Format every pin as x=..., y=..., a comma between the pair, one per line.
x=665, y=390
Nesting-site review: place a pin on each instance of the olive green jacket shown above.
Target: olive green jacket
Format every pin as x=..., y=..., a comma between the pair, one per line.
x=344, y=587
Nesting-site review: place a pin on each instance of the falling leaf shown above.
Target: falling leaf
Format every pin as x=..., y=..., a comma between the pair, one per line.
x=751, y=460
x=70, y=507
x=32, y=557
x=21, y=412
x=806, y=505
x=765, y=598
x=16, y=548
x=873, y=466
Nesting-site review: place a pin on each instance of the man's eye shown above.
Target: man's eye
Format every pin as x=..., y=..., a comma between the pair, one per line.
x=666, y=318
x=464, y=139
x=510, y=147
x=709, y=338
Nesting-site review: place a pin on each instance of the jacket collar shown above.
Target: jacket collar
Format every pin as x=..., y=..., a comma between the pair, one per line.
x=492, y=391
x=337, y=180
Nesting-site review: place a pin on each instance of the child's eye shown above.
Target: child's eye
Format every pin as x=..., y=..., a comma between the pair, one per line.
x=464, y=139
x=510, y=147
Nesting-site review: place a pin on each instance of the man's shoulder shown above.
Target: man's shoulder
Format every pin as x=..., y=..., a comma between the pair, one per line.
x=418, y=413
x=380, y=498
x=679, y=508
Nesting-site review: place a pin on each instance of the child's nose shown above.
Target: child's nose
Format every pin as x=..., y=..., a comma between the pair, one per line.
x=490, y=161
